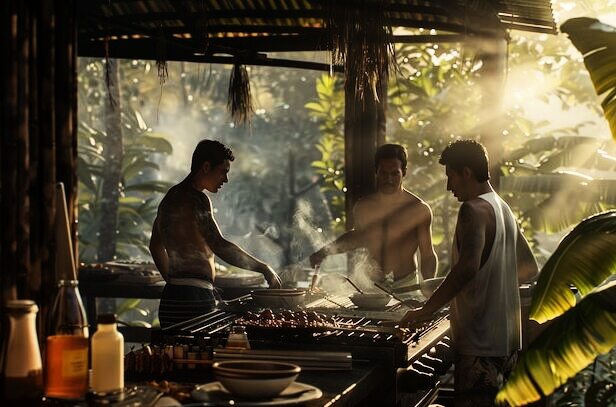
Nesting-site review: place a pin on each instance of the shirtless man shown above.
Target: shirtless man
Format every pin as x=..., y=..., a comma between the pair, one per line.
x=185, y=238
x=391, y=223
x=491, y=258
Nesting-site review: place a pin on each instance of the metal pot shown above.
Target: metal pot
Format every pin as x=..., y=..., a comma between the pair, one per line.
x=279, y=297
x=370, y=300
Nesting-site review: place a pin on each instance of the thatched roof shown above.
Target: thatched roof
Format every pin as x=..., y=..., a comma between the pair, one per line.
x=203, y=30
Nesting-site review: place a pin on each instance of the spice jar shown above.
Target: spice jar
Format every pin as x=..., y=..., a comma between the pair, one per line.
x=238, y=339
x=22, y=368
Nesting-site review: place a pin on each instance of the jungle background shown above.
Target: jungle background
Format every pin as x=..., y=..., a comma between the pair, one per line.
x=285, y=197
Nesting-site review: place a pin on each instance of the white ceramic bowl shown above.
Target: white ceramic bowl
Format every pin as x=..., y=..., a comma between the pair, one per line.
x=370, y=300
x=255, y=379
x=428, y=285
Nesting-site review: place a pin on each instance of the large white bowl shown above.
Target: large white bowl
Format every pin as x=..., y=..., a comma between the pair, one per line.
x=279, y=298
x=253, y=379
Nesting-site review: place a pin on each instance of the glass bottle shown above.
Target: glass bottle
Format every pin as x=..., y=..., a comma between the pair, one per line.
x=107, y=356
x=66, y=354
x=237, y=338
x=22, y=369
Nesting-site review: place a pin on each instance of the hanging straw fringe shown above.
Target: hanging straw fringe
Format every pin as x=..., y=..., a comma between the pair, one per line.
x=161, y=57
x=359, y=29
x=239, y=102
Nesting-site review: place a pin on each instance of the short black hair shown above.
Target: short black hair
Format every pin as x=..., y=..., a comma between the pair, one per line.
x=467, y=153
x=211, y=151
x=391, y=151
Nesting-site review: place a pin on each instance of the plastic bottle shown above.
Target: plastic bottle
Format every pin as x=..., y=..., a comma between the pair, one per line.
x=107, y=356
x=22, y=368
x=66, y=353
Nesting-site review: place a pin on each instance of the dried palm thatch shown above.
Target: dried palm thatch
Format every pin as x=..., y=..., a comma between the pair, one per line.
x=239, y=102
x=362, y=41
x=161, y=57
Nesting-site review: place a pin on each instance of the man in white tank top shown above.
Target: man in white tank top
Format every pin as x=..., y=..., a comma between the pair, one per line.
x=490, y=259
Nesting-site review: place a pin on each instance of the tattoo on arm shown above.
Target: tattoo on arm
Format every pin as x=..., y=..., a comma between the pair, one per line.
x=471, y=235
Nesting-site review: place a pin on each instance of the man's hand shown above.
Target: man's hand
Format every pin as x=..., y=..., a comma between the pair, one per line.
x=317, y=258
x=412, y=316
x=272, y=278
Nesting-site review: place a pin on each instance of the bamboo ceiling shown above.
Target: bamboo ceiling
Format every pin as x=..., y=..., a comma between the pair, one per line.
x=213, y=30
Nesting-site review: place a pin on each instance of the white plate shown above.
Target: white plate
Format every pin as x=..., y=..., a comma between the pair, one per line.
x=214, y=394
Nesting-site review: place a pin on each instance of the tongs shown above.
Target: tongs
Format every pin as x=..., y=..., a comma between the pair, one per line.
x=315, y=278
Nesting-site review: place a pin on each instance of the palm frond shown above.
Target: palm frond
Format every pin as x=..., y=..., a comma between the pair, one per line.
x=567, y=346
x=584, y=258
x=597, y=43
x=561, y=211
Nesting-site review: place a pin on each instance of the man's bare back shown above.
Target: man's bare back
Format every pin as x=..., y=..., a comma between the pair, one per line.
x=390, y=225
x=181, y=216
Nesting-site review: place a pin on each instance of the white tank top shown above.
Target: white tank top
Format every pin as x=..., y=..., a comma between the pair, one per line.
x=485, y=315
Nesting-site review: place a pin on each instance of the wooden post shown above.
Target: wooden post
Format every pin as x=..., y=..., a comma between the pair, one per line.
x=493, y=54
x=364, y=131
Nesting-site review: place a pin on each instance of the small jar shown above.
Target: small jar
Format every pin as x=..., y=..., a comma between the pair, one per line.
x=237, y=338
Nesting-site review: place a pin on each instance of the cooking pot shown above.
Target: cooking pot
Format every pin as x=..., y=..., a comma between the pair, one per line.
x=279, y=297
x=370, y=300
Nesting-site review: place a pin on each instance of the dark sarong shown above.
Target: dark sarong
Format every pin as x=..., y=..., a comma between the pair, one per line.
x=183, y=302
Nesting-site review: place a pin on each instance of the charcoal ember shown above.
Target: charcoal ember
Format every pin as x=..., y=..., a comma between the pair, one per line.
x=288, y=315
x=313, y=317
x=266, y=315
x=250, y=316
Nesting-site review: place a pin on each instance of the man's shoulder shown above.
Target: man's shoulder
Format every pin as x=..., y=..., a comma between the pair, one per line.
x=414, y=202
x=183, y=195
x=475, y=210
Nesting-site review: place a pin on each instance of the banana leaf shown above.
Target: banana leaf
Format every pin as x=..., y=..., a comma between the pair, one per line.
x=584, y=258
x=567, y=346
x=597, y=43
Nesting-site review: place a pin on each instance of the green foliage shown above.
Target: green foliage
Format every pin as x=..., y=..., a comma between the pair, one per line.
x=571, y=343
x=139, y=187
x=544, y=178
x=328, y=110
x=584, y=258
x=597, y=42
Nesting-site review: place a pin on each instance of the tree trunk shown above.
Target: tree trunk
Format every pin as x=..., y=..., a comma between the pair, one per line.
x=113, y=153
x=493, y=54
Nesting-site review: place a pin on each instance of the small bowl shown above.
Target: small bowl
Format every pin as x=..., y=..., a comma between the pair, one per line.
x=370, y=300
x=429, y=285
x=255, y=379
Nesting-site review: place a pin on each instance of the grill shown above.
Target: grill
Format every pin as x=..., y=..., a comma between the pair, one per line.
x=365, y=334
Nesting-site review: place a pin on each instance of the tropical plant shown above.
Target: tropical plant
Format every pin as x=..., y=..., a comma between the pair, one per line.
x=543, y=178
x=584, y=259
x=597, y=42
x=139, y=188
x=328, y=110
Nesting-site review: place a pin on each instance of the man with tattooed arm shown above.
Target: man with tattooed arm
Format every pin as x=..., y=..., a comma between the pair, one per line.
x=490, y=259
